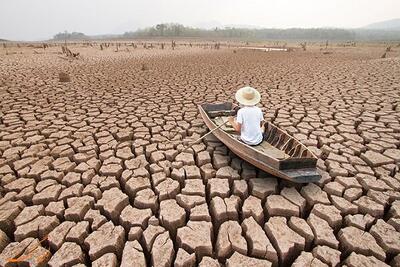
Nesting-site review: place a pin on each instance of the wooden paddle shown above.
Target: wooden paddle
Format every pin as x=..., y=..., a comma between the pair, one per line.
x=200, y=138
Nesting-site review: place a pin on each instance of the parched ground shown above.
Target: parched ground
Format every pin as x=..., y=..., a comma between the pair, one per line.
x=88, y=176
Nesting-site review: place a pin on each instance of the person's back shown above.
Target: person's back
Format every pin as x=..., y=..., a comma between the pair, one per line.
x=250, y=118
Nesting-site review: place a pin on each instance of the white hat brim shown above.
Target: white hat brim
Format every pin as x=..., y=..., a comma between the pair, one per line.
x=247, y=102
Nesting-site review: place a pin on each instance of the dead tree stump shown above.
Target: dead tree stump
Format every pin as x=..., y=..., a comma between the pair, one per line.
x=64, y=77
x=68, y=52
x=144, y=67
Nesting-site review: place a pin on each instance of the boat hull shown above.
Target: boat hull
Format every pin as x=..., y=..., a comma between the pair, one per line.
x=260, y=160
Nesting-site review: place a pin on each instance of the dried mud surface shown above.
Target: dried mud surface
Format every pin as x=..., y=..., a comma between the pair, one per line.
x=88, y=176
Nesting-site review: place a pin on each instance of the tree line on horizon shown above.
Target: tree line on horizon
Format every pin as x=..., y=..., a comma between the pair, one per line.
x=176, y=30
x=179, y=30
x=70, y=36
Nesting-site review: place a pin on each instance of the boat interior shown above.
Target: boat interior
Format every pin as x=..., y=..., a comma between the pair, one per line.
x=277, y=143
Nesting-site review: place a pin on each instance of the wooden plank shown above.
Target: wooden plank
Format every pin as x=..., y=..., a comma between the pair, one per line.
x=217, y=107
x=297, y=163
x=306, y=175
x=264, y=147
x=227, y=127
x=272, y=151
x=214, y=114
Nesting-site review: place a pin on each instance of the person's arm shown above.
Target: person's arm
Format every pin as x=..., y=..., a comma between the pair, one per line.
x=262, y=122
x=262, y=126
x=236, y=125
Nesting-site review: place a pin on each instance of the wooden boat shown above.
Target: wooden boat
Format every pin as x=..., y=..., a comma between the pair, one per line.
x=279, y=154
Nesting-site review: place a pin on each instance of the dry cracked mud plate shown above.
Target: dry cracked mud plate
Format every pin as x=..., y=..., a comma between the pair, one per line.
x=90, y=172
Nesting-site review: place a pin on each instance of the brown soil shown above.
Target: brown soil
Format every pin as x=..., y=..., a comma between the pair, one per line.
x=87, y=169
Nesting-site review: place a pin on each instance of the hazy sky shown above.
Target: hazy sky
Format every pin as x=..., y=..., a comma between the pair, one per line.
x=41, y=19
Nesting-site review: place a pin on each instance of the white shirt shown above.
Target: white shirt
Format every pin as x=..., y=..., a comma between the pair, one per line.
x=250, y=118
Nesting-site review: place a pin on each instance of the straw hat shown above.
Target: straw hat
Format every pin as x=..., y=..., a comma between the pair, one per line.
x=248, y=96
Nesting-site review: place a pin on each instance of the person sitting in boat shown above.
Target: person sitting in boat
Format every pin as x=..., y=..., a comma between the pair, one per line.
x=249, y=118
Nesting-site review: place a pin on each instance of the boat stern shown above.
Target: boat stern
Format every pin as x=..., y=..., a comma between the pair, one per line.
x=307, y=175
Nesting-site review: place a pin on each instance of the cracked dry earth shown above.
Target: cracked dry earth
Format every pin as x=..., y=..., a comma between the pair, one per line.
x=89, y=178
